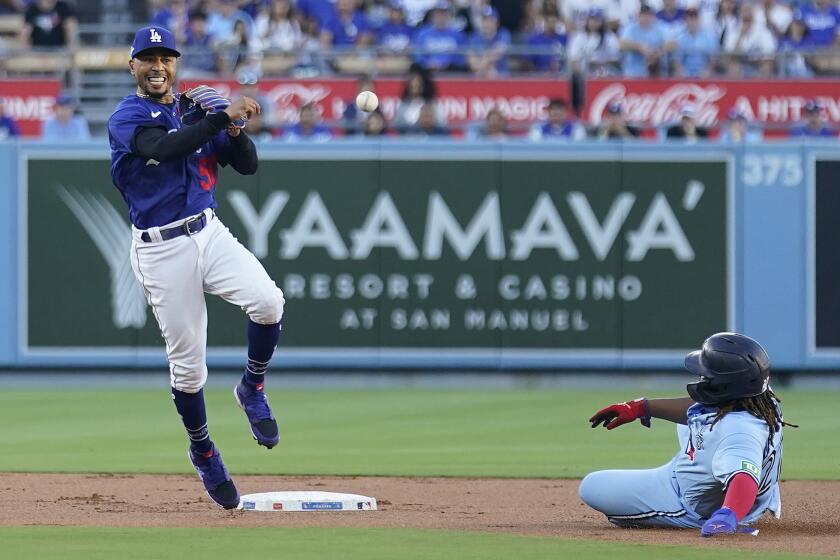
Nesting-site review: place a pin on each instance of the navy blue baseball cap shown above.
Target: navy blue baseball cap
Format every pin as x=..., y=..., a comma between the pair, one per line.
x=153, y=38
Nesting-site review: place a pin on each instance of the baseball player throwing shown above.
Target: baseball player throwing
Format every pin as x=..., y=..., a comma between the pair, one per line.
x=165, y=151
x=726, y=473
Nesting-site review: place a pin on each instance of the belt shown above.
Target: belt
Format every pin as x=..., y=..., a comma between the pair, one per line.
x=190, y=227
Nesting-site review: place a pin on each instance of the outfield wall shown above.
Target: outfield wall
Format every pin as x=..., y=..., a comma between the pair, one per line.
x=472, y=255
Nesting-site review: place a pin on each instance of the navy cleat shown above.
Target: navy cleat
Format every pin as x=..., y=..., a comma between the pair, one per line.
x=255, y=404
x=215, y=477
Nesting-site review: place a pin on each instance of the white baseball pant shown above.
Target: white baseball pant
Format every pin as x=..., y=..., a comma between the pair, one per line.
x=175, y=275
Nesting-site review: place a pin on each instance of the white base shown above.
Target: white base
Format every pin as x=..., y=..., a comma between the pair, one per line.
x=306, y=501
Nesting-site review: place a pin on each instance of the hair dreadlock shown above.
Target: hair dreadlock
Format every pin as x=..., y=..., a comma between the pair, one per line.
x=761, y=406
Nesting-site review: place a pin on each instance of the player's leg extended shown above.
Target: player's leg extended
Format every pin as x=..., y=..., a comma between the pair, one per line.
x=637, y=498
x=170, y=276
x=233, y=273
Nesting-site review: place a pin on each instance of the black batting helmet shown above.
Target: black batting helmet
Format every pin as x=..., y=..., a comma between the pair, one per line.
x=731, y=366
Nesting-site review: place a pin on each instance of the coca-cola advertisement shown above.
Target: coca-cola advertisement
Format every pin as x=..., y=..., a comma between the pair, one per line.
x=774, y=104
x=29, y=102
x=460, y=100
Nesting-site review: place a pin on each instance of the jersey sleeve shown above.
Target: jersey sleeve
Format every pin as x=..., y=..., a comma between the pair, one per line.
x=740, y=452
x=124, y=123
x=222, y=148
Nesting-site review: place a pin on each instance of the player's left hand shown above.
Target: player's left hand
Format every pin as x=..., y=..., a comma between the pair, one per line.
x=723, y=521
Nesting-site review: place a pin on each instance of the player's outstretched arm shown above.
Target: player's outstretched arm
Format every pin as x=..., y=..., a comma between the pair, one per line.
x=673, y=410
x=160, y=145
x=642, y=409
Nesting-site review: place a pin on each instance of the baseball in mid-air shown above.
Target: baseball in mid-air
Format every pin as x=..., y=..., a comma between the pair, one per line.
x=367, y=101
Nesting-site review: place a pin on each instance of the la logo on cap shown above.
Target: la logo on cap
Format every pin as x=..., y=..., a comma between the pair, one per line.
x=155, y=37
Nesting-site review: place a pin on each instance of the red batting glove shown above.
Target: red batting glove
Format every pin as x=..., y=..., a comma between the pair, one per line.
x=622, y=413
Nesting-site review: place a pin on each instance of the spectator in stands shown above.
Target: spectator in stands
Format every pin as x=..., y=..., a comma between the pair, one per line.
x=427, y=124
x=317, y=11
x=489, y=46
x=775, y=16
x=198, y=58
x=726, y=21
x=707, y=10
x=576, y=12
x=311, y=60
x=823, y=21
x=254, y=7
x=644, y=44
x=174, y=16
x=395, y=34
x=347, y=26
x=671, y=18
x=737, y=129
x=615, y=127
x=550, y=40
x=440, y=42
x=12, y=6
x=512, y=14
x=417, y=10
x=595, y=51
x=354, y=118
x=792, y=62
x=696, y=48
x=750, y=47
x=277, y=28
x=558, y=126
x=308, y=127
x=49, y=23
x=221, y=23
x=375, y=125
x=495, y=126
x=419, y=91
x=239, y=50
x=686, y=129
x=467, y=15
x=67, y=124
x=257, y=129
x=814, y=126
x=8, y=127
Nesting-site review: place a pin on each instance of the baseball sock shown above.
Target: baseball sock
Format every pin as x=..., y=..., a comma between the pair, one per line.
x=261, y=342
x=191, y=408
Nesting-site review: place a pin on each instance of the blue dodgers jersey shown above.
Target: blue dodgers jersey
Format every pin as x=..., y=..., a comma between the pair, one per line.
x=158, y=193
x=710, y=456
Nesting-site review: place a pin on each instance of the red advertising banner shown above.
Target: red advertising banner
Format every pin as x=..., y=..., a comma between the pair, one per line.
x=29, y=102
x=461, y=100
x=647, y=103
x=658, y=102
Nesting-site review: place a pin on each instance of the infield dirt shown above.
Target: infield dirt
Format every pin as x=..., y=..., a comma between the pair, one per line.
x=550, y=508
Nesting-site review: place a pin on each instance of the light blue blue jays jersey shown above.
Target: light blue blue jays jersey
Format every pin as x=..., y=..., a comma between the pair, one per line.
x=710, y=456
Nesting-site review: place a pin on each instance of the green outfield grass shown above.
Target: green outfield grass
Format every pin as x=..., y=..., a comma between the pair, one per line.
x=448, y=432
x=358, y=432
x=92, y=543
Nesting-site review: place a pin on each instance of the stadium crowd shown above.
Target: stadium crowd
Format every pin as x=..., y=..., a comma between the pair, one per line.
x=631, y=38
x=485, y=38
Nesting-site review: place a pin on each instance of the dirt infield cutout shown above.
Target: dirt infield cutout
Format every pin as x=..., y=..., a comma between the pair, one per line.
x=810, y=520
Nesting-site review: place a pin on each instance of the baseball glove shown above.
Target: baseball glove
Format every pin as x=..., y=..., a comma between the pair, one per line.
x=195, y=103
